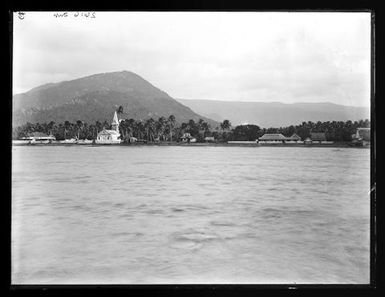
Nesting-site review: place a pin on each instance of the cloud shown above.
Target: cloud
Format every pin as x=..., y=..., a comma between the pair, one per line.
x=228, y=56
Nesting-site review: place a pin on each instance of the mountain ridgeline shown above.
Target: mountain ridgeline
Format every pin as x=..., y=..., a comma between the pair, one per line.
x=94, y=98
x=275, y=114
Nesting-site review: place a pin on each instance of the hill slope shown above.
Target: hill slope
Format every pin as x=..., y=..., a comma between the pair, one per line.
x=274, y=114
x=94, y=98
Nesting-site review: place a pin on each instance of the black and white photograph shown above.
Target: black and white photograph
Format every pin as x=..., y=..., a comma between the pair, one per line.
x=191, y=147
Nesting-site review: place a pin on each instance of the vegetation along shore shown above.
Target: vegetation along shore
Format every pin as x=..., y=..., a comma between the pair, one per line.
x=167, y=131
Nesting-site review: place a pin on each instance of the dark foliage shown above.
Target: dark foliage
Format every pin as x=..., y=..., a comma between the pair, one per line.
x=166, y=129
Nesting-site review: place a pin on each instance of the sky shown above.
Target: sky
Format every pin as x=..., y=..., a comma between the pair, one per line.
x=233, y=56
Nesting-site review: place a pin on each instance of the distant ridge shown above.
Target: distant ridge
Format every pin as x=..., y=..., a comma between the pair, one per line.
x=95, y=97
x=274, y=114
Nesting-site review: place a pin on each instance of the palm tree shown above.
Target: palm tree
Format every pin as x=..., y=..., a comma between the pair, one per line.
x=150, y=129
x=50, y=127
x=200, y=124
x=119, y=110
x=206, y=128
x=79, y=126
x=183, y=127
x=67, y=126
x=225, y=125
x=171, y=122
x=99, y=127
x=191, y=124
x=131, y=125
x=123, y=129
x=140, y=129
x=106, y=125
x=160, y=127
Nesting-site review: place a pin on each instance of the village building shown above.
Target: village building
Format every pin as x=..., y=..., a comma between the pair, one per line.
x=39, y=137
x=308, y=140
x=186, y=137
x=362, y=136
x=272, y=138
x=363, y=133
x=209, y=139
x=132, y=139
x=295, y=138
x=110, y=136
x=317, y=137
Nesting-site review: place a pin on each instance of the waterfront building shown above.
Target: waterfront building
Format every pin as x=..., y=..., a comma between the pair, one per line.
x=39, y=137
x=295, y=138
x=363, y=133
x=110, y=136
x=362, y=136
x=318, y=137
x=187, y=138
x=273, y=138
x=209, y=139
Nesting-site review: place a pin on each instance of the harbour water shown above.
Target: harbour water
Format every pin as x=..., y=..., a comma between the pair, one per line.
x=147, y=214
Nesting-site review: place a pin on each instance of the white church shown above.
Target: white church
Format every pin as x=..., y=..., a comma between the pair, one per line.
x=110, y=136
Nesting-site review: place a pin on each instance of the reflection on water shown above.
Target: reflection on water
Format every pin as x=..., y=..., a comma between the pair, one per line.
x=190, y=215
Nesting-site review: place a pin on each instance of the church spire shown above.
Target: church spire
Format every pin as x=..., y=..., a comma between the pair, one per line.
x=115, y=122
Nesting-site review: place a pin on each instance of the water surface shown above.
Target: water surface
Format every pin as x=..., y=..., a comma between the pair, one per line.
x=95, y=214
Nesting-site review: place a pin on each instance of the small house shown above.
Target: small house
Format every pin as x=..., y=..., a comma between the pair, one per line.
x=317, y=137
x=187, y=138
x=272, y=138
x=308, y=140
x=39, y=137
x=132, y=139
x=209, y=139
x=295, y=138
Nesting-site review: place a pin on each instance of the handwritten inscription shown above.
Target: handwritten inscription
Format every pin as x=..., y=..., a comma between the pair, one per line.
x=75, y=14
x=21, y=15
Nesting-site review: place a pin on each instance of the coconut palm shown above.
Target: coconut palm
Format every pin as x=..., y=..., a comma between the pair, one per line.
x=225, y=125
x=99, y=127
x=161, y=127
x=150, y=129
x=79, y=126
x=171, y=123
x=67, y=127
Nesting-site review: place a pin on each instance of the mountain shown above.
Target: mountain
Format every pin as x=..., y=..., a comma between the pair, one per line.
x=274, y=114
x=95, y=98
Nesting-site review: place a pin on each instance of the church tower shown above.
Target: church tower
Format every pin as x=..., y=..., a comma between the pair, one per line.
x=115, y=123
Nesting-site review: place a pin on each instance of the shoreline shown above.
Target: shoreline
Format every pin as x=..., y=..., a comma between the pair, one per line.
x=330, y=145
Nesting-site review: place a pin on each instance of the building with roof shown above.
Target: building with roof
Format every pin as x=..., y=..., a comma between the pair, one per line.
x=362, y=136
x=317, y=137
x=110, y=136
x=186, y=137
x=272, y=138
x=293, y=139
x=39, y=137
x=209, y=139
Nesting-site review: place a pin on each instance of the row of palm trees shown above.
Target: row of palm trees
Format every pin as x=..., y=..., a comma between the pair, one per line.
x=150, y=130
x=163, y=129
x=167, y=129
x=65, y=130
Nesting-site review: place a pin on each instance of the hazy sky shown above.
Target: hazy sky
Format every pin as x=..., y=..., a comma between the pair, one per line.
x=237, y=56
